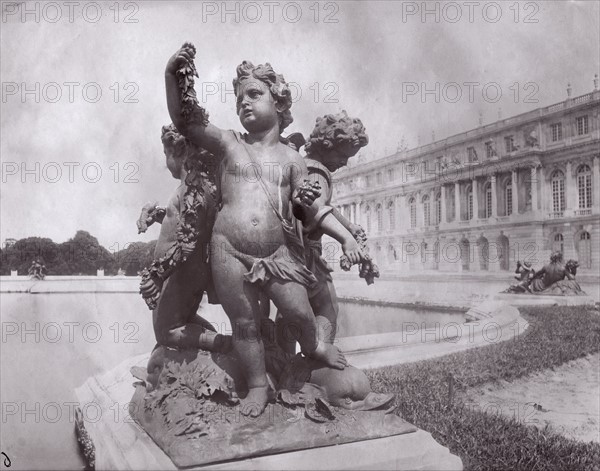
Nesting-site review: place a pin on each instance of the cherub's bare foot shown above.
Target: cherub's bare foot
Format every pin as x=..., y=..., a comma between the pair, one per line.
x=330, y=355
x=255, y=402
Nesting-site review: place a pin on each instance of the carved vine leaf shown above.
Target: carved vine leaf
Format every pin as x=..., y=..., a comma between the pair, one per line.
x=193, y=385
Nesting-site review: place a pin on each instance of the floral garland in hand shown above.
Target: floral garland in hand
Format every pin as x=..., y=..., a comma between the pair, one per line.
x=367, y=268
x=201, y=176
x=190, y=109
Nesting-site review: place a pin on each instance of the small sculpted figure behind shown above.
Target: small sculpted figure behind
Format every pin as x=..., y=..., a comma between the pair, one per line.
x=178, y=296
x=255, y=248
x=334, y=140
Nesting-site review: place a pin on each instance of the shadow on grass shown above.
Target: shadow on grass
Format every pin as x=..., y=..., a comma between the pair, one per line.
x=426, y=394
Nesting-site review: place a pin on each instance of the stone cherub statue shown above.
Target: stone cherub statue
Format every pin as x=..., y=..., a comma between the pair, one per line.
x=334, y=140
x=191, y=388
x=174, y=284
x=255, y=248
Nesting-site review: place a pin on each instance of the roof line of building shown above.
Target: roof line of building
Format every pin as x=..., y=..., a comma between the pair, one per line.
x=480, y=131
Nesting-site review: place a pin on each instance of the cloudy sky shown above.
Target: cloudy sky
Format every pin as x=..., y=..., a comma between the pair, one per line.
x=83, y=89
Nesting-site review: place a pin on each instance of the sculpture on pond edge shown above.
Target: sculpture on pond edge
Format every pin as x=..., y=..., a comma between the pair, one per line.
x=229, y=249
x=37, y=270
x=555, y=278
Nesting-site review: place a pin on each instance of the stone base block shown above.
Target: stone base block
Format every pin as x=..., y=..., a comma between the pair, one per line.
x=122, y=444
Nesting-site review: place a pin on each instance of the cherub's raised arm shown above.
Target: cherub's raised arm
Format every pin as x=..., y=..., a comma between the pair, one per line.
x=189, y=118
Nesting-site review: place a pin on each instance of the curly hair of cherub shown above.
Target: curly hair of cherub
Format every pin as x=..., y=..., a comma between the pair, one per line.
x=334, y=130
x=171, y=137
x=276, y=83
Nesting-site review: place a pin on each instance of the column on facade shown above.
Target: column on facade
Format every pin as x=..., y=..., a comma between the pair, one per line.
x=543, y=190
x=515, y=192
x=431, y=196
x=475, y=255
x=443, y=203
x=570, y=188
x=475, y=199
x=494, y=196
x=596, y=182
x=456, y=201
x=534, y=189
x=354, y=213
x=398, y=214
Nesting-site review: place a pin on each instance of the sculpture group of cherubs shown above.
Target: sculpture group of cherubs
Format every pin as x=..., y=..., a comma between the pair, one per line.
x=245, y=226
x=556, y=278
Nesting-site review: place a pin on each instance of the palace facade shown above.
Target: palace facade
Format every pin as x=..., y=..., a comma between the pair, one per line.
x=515, y=189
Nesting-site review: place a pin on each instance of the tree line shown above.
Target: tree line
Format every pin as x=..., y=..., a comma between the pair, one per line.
x=80, y=255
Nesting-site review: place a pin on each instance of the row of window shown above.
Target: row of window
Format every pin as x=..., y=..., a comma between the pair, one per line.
x=434, y=217
x=583, y=247
x=379, y=177
x=584, y=189
x=556, y=131
x=581, y=128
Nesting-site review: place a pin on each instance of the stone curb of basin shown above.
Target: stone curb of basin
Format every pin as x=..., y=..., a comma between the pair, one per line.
x=487, y=323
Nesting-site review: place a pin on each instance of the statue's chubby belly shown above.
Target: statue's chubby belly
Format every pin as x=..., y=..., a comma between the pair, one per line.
x=253, y=232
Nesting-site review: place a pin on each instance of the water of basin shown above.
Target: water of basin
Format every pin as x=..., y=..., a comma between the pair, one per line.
x=366, y=317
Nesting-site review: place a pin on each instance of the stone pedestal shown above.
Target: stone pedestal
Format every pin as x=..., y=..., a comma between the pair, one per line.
x=122, y=444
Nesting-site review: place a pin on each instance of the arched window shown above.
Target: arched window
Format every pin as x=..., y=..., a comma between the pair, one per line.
x=379, y=213
x=503, y=246
x=488, y=200
x=368, y=211
x=438, y=208
x=558, y=191
x=558, y=244
x=412, y=204
x=426, y=211
x=584, y=186
x=508, y=198
x=469, y=202
x=391, y=215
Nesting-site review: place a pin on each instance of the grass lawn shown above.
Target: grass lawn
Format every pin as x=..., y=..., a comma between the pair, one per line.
x=427, y=394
